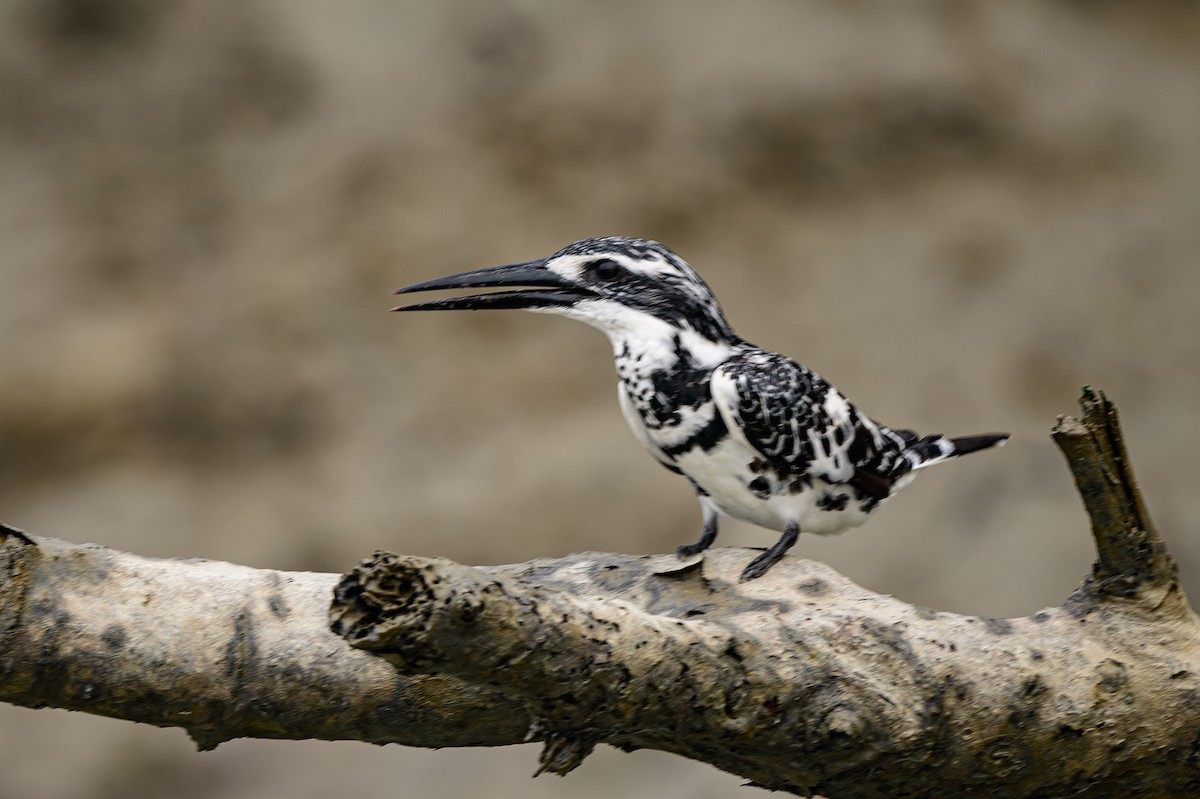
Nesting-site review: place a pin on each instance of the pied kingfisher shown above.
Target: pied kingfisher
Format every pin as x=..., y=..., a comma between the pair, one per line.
x=759, y=436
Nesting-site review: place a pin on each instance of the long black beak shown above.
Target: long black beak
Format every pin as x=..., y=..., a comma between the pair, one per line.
x=531, y=274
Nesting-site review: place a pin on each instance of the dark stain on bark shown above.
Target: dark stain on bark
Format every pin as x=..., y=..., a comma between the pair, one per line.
x=997, y=626
x=114, y=636
x=814, y=586
x=242, y=649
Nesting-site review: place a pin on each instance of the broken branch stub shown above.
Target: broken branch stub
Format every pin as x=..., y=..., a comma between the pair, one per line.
x=1132, y=559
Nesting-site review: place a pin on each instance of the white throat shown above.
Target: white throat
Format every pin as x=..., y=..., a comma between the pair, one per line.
x=644, y=337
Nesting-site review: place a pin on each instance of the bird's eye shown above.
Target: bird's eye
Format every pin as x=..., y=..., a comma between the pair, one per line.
x=606, y=269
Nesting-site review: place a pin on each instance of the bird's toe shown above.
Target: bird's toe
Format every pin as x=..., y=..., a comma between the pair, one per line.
x=757, y=568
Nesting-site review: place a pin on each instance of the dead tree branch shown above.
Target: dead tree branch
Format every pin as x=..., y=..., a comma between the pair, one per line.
x=220, y=650
x=800, y=681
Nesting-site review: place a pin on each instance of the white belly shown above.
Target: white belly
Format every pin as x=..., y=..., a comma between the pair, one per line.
x=725, y=473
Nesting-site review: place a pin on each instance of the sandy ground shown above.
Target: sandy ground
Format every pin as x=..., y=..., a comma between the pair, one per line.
x=958, y=213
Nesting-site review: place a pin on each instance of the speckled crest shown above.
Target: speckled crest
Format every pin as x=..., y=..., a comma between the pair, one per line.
x=659, y=282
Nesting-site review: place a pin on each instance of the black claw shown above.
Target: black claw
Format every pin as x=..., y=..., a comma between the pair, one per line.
x=759, y=566
x=687, y=550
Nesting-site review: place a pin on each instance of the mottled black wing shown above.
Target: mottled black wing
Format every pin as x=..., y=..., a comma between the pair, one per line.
x=799, y=423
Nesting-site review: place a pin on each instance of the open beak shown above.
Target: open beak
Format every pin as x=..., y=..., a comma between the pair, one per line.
x=543, y=289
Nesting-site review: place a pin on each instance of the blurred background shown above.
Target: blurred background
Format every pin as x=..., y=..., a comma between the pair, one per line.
x=959, y=213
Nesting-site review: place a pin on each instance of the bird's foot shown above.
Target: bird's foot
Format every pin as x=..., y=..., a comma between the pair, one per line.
x=707, y=536
x=759, y=566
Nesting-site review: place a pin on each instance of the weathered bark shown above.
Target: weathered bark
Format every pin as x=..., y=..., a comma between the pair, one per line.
x=800, y=681
x=220, y=650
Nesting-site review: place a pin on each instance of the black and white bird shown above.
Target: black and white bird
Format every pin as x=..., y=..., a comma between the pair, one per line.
x=760, y=437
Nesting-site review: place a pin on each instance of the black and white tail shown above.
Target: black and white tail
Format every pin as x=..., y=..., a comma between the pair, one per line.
x=935, y=449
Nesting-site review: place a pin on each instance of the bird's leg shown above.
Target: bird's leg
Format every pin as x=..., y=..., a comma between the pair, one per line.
x=706, y=538
x=758, y=567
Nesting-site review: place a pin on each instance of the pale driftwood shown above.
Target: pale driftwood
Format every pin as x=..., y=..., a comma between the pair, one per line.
x=222, y=651
x=799, y=681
